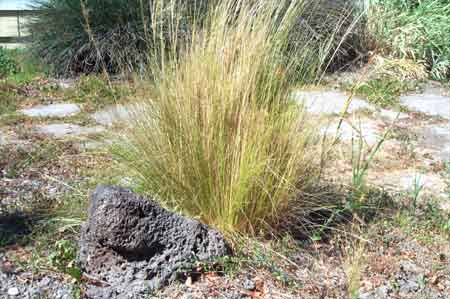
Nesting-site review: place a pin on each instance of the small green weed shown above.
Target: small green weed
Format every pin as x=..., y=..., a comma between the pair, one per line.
x=229, y=265
x=63, y=258
x=253, y=255
x=383, y=91
x=51, y=243
x=415, y=191
x=430, y=224
x=436, y=218
x=361, y=161
x=361, y=201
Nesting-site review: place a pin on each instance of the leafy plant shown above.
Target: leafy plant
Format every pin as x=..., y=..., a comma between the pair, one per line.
x=8, y=64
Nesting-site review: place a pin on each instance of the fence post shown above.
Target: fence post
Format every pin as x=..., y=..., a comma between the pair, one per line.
x=18, y=24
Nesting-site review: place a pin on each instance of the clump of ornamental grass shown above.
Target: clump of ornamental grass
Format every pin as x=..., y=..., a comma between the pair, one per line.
x=221, y=140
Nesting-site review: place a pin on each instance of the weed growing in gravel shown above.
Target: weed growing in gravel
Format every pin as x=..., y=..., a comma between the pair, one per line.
x=43, y=153
x=416, y=189
x=63, y=258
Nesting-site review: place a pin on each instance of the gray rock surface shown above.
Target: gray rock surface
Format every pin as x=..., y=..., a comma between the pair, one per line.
x=430, y=104
x=133, y=245
x=3, y=139
x=23, y=287
x=329, y=102
x=66, y=130
x=436, y=140
x=65, y=83
x=392, y=115
x=111, y=115
x=365, y=128
x=53, y=110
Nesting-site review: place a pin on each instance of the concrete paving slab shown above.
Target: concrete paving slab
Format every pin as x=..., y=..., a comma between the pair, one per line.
x=67, y=130
x=367, y=129
x=435, y=139
x=329, y=102
x=111, y=115
x=53, y=110
x=430, y=104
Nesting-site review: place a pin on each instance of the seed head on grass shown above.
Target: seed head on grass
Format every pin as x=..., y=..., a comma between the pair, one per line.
x=222, y=141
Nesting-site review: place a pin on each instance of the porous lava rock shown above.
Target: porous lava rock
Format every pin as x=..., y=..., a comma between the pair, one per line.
x=131, y=245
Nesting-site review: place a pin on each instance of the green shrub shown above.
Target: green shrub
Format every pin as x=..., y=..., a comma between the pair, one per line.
x=8, y=64
x=221, y=141
x=413, y=29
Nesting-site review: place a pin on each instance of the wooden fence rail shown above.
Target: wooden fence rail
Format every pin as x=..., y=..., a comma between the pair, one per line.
x=12, y=26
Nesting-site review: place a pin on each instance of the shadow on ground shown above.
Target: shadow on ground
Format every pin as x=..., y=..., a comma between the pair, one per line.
x=16, y=226
x=327, y=207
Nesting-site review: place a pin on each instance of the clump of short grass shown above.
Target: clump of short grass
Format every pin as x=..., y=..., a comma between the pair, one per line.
x=383, y=92
x=96, y=91
x=388, y=78
x=221, y=140
x=8, y=98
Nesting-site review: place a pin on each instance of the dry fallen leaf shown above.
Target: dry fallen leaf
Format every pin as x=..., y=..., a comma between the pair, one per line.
x=254, y=294
x=435, y=279
x=189, y=281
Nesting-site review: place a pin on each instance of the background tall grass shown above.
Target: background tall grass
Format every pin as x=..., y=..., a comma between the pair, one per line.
x=84, y=36
x=221, y=140
x=417, y=30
